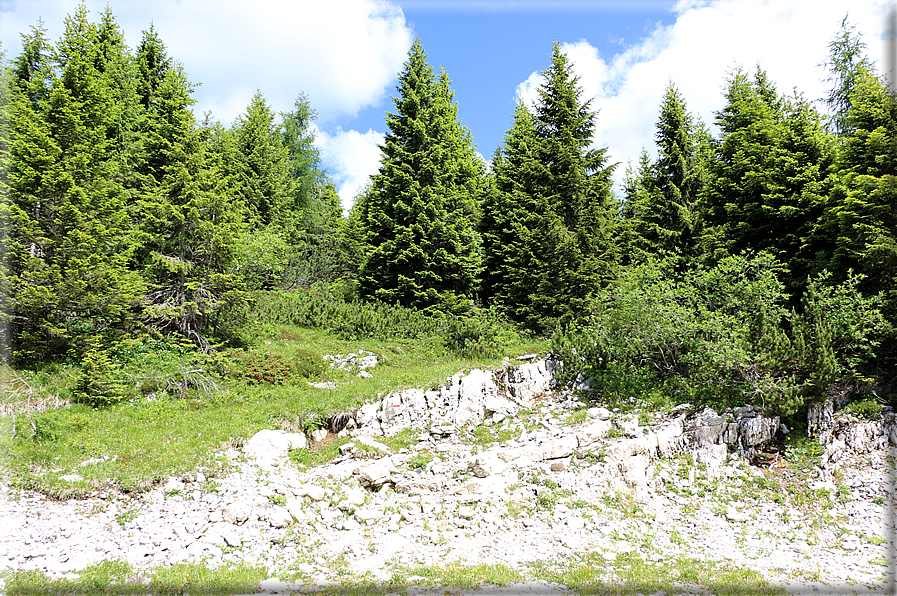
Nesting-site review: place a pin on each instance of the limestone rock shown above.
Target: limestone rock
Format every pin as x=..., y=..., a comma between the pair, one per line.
x=562, y=447
x=487, y=464
x=279, y=517
x=376, y=473
x=269, y=446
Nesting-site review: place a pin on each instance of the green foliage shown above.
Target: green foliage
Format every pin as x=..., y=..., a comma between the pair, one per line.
x=660, y=214
x=322, y=307
x=725, y=329
x=549, y=219
x=802, y=452
x=97, y=385
x=483, y=333
x=261, y=366
x=421, y=248
x=866, y=408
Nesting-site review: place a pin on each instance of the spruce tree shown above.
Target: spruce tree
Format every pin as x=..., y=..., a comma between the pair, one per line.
x=565, y=244
x=423, y=248
x=661, y=198
x=70, y=244
x=765, y=191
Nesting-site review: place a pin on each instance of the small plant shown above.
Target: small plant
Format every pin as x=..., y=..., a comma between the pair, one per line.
x=867, y=408
x=419, y=461
x=280, y=500
x=262, y=367
x=126, y=516
x=802, y=452
x=97, y=385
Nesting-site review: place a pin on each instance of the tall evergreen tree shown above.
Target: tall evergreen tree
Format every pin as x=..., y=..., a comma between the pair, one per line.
x=567, y=250
x=661, y=198
x=766, y=191
x=424, y=250
x=846, y=61
x=507, y=219
x=70, y=245
x=263, y=175
x=862, y=214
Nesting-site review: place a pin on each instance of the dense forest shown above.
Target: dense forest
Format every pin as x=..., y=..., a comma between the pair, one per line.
x=760, y=263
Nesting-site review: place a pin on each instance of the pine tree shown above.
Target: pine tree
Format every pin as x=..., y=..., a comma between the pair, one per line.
x=263, y=176
x=765, y=190
x=845, y=63
x=506, y=216
x=419, y=221
x=565, y=243
x=862, y=213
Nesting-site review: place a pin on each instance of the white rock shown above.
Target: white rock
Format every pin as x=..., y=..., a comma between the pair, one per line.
x=294, y=507
x=279, y=517
x=319, y=434
x=487, y=464
x=269, y=446
x=599, y=413
x=562, y=447
x=373, y=444
x=274, y=586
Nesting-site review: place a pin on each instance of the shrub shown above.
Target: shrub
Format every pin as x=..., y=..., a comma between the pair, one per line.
x=307, y=364
x=725, y=328
x=261, y=367
x=97, y=385
x=483, y=333
x=867, y=408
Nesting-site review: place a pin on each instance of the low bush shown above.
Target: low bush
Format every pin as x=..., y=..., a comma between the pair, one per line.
x=726, y=330
x=98, y=384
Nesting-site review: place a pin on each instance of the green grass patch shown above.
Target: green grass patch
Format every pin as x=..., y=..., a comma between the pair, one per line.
x=628, y=574
x=184, y=407
x=119, y=578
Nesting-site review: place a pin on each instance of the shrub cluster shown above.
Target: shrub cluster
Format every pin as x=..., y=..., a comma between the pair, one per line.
x=727, y=330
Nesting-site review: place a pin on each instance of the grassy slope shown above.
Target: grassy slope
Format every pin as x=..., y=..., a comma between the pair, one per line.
x=142, y=441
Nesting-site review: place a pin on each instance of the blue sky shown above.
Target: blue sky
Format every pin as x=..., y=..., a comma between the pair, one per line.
x=345, y=54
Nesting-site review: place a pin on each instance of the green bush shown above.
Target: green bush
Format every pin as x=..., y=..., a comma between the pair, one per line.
x=261, y=367
x=724, y=329
x=867, y=408
x=480, y=334
x=307, y=364
x=97, y=385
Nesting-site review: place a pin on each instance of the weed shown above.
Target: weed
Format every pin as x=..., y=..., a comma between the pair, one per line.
x=419, y=461
x=802, y=452
x=126, y=516
x=867, y=408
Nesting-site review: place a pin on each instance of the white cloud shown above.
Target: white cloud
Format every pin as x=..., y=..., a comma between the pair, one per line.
x=787, y=38
x=351, y=158
x=343, y=55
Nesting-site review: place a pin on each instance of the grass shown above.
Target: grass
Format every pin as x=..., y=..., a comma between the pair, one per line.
x=145, y=441
x=119, y=578
x=585, y=573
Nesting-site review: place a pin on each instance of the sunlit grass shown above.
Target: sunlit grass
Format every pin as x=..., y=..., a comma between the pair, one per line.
x=142, y=441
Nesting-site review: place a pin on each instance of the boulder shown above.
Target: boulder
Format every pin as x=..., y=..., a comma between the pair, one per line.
x=279, y=517
x=375, y=474
x=269, y=446
x=487, y=464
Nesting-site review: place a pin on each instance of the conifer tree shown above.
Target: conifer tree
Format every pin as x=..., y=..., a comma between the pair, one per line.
x=661, y=198
x=766, y=187
x=263, y=169
x=567, y=250
x=862, y=213
x=423, y=248
x=70, y=244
